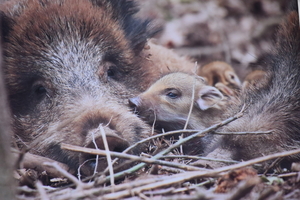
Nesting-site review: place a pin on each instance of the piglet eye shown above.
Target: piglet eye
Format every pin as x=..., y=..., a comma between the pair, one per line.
x=173, y=94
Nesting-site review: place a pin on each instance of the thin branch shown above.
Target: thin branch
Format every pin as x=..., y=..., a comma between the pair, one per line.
x=108, y=157
x=130, y=157
x=79, y=168
x=192, y=102
x=200, y=158
x=243, y=188
x=96, y=147
x=209, y=181
x=153, y=125
x=274, y=163
x=243, y=133
x=288, y=175
x=66, y=174
x=25, y=189
x=41, y=191
x=299, y=11
x=142, y=196
x=163, y=191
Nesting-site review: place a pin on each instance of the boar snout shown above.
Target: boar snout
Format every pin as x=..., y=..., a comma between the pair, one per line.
x=144, y=107
x=115, y=143
x=81, y=125
x=88, y=161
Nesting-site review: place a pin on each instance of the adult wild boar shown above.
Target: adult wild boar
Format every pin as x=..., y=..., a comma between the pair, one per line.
x=69, y=67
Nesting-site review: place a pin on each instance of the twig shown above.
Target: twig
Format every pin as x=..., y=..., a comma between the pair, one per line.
x=66, y=174
x=26, y=189
x=211, y=180
x=191, y=108
x=143, y=196
x=79, y=168
x=275, y=162
x=96, y=159
x=192, y=102
x=243, y=133
x=108, y=157
x=136, y=183
x=96, y=147
x=181, y=147
x=288, y=175
x=153, y=125
x=161, y=191
x=299, y=11
x=41, y=191
x=243, y=188
x=131, y=157
x=201, y=158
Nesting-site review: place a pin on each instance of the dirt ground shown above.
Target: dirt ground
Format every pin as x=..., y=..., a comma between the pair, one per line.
x=238, y=32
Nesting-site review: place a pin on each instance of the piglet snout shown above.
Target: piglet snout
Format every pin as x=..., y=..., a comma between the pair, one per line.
x=134, y=102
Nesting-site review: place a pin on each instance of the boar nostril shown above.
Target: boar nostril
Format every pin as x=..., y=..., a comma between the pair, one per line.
x=114, y=143
x=88, y=161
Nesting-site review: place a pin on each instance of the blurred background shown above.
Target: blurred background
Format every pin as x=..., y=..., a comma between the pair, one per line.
x=239, y=32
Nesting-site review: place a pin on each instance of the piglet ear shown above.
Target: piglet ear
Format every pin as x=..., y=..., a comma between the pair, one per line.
x=208, y=96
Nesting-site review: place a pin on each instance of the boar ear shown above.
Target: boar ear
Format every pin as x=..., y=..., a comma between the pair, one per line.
x=5, y=25
x=208, y=96
x=136, y=30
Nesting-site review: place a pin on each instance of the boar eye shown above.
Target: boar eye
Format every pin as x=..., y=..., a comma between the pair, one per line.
x=111, y=72
x=39, y=91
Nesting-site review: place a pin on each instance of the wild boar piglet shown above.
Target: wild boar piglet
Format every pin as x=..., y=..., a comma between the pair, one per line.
x=221, y=75
x=257, y=78
x=166, y=104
